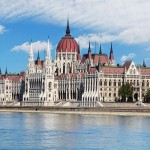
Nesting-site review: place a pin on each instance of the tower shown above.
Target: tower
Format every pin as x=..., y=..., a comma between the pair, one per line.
x=100, y=50
x=144, y=64
x=89, y=51
x=31, y=60
x=111, y=56
x=48, y=60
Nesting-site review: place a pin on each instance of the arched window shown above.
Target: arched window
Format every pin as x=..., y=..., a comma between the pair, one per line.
x=64, y=68
x=105, y=83
x=100, y=82
x=110, y=83
x=147, y=83
x=114, y=82
x=109, y=94
x=119, y=83
x=50, y=85
x=143, y=84
x=68, y=68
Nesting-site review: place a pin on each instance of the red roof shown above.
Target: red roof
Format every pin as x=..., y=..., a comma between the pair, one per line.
x=39, y=62
x=103, y=58
x=68, y=44
x=91, y=70
x=113, y=70
x=145, y=71
x=84, y=58
x=127, y=64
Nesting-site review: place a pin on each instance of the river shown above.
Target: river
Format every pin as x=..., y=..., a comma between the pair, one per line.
x=39, y=131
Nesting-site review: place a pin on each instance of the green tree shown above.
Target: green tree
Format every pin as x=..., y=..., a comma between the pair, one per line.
x=147, y=96
x=125, y=91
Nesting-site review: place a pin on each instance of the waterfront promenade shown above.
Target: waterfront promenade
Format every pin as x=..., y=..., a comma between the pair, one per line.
x=114, y=110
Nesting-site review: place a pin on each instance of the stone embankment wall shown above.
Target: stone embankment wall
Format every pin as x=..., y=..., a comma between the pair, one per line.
x=81, y=109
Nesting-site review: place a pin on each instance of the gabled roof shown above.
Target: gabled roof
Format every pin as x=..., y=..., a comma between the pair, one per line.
x=102, y=57
x=127, y=64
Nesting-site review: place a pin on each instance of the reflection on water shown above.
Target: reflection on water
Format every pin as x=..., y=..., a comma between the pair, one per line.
x=58, y=131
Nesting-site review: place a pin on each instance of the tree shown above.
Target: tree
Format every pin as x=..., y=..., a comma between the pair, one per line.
x=125, y=91
x=147, y=96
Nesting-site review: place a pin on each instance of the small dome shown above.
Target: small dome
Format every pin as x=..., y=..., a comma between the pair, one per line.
x=68, y=43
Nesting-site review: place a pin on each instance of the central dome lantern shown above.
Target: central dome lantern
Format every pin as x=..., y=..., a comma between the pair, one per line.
x=68, y=43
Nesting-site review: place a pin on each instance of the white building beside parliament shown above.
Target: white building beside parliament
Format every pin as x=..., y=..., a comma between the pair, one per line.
x=87, y=80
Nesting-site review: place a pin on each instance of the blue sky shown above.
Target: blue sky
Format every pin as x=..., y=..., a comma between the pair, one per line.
x=125, y=23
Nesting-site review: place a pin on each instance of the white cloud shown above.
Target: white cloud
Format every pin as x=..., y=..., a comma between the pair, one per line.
x=128, y=57
x=147, y=49
x=2, y=29
x=129, y=21
x=147, y=58
x=98, y=38
x=37, y=46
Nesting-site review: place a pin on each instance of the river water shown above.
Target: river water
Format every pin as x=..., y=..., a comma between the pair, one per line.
x=39, y=131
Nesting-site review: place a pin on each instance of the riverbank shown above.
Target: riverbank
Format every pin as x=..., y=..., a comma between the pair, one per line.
x=140, y=111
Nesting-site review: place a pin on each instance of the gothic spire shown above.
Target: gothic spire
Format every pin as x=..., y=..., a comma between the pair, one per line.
x=31, y=52
x=48, y=51
x=111, y=56
x=68, y=28
x=38, y=57
x=89, y=49
x=6, y=73
x=100, y=50
x=0, y=71
x=144, y=64
x=111, y=49
x=79, y=47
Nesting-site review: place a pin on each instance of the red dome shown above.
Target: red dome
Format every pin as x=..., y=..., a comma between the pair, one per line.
x=68, y=44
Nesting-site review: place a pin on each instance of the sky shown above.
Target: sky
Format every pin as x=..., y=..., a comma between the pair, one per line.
x=125, y=23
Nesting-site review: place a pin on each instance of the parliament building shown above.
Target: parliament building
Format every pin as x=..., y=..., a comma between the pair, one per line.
x=87, y=80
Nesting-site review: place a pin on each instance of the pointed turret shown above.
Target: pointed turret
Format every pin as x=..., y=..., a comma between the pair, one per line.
x=111, y=56
x=31, y=60
x=111, y=49
x=68, y=28
x=100, y=50
x=99, y=64
x=31, y=53
x=6, y=73
x=0, y=72
x=48, y=51
x=38, y=56
x=89, y=51
x=144, y=64
x=78, y=56
x=79, y=47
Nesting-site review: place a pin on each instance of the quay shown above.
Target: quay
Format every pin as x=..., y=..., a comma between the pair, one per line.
x=124, y=111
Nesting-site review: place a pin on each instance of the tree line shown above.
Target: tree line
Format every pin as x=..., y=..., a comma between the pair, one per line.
x=126, y=94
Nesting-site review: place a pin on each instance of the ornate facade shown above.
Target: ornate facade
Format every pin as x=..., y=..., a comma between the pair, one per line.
x=11, y=87
x=40, y=83
x=89, y=80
